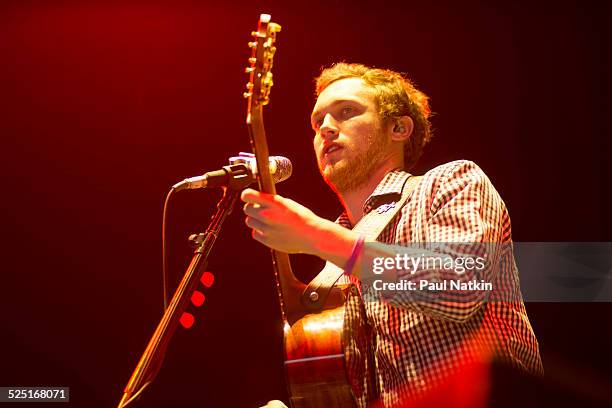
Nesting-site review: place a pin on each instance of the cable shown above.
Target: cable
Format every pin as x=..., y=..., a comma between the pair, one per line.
x=136, y=395
x=166, y=284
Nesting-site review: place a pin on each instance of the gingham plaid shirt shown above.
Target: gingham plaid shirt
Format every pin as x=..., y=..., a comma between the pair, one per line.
x=396, y=350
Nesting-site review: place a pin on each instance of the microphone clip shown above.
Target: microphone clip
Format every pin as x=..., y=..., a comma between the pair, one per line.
x=238, y=177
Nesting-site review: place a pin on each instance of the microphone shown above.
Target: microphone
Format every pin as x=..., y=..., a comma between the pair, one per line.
x=241, y=172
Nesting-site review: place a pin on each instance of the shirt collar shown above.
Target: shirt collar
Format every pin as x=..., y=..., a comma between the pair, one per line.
x=389, y=189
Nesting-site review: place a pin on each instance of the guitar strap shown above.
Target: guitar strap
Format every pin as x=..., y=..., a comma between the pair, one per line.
x=370, y=227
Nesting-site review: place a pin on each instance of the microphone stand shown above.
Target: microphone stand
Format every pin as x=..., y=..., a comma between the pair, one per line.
x=151, y=360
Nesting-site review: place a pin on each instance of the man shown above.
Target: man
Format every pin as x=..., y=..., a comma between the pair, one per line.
x=371, y=126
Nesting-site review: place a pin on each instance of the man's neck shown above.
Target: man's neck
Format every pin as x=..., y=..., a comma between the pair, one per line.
x=354, y=200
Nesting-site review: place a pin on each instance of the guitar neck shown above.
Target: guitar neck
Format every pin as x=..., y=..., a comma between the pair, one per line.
x=259, y=145
x=289, y=288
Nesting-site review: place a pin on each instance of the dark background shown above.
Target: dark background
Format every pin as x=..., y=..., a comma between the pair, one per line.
x=104, y=105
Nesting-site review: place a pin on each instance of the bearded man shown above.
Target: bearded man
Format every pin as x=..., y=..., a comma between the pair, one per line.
x=371, y=126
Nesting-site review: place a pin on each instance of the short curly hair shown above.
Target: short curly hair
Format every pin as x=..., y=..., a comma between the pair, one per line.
x=396, y=96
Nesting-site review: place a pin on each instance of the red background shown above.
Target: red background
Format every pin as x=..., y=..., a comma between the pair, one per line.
x=105, y=105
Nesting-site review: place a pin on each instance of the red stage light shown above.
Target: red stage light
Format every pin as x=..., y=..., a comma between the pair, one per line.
x=187, y=320
x=207, y=279
x=197, y=298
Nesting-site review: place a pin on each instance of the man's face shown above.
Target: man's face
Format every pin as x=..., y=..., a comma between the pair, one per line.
x=350, y=141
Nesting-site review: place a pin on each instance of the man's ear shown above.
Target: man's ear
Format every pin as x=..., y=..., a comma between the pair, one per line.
x=402, y=129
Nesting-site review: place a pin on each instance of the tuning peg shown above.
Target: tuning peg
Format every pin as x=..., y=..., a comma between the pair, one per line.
x=207, y=279
x=187, y=320
x=248, y=70
x=247, y=95
x=252, y=44
x=197, y=298
x=249, y=86
x=274, y=28
x=252, y=60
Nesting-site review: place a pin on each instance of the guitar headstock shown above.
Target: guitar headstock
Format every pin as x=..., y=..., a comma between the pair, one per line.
x=262, y=57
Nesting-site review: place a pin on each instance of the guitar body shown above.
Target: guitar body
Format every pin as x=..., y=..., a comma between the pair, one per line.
x=315, y=363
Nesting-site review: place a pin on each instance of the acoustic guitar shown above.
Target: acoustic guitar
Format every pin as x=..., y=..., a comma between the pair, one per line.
x=314, y=357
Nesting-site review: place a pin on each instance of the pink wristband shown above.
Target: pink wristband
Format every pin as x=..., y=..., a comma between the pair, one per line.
x=350, y=264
